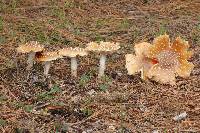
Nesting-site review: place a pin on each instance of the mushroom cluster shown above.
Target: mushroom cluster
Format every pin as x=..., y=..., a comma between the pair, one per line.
x=162, y=61
x=37, y=53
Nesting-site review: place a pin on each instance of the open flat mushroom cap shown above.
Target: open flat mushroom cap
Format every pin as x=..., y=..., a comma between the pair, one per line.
x=133, y=64
x=164, y=76
x=102, y=46
x=32, y=46
x=73, y=52
x=142, y=48
x=47, y=56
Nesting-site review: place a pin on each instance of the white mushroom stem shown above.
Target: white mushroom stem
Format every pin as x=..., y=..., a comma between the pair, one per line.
x=74, y=66
x=102, y=65
x=47, y=65
x=31, y=57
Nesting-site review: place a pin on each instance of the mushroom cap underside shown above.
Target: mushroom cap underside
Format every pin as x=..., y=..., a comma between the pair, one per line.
x=47, y=56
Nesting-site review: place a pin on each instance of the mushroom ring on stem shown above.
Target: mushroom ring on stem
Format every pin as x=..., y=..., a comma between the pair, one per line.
x=47, y=57
x=31, y=47
x=103, y=48
x=72, y=53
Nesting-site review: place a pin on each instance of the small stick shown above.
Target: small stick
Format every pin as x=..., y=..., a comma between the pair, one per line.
x=180, y=116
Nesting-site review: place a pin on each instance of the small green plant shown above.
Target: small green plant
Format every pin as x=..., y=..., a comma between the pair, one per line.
x=87, y=112
x=77, y=31
x=135, y=33
x=99, y=38
x=60, y=127
x=162, y=30
x=103, y=87
x=13, y=5
x=28, y=108
x=1, y=23
x=2, y=122
x=58, y=103
x=2, y=98
x=55, y=37
x=69, y=4
x=198, y=26
x=2, y=39
x=106, y=78
x=88, y=100
x=125, y=24
x=18, y=105
x=84, y=80
x=50, y=94
x=99, y=23
x=58, y=12
x=145, y=1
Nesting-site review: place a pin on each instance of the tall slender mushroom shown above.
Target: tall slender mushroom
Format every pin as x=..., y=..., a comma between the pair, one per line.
x=31, y=47
x=47, y=57
x=103, y=48
x=72, y=53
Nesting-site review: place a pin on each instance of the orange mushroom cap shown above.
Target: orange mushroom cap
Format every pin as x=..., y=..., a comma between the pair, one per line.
x=73, y=52
x=172, y=59
x=102, y=47
x=47, y=56
x=32, y=46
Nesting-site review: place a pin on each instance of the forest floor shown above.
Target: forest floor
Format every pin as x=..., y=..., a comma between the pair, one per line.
x=118, y=103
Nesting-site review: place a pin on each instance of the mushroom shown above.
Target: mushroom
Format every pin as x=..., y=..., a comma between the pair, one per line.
x=72, y=53
x=103, y=48
x=139, y=61
x=172, y=59
x=32, y=47
x=47, y=57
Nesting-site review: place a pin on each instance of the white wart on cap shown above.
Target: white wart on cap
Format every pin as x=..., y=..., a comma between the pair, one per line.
x=73, y=52
x=31, y=48
x=103, y=46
